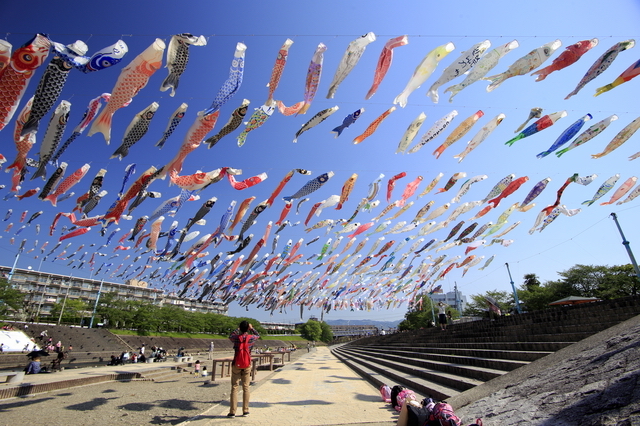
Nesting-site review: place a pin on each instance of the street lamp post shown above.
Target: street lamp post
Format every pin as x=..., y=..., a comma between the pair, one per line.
x=515, y=293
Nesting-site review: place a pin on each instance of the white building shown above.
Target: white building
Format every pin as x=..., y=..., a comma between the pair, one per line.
x=43, y=290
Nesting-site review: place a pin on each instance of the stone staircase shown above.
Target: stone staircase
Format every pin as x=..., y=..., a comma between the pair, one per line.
x=442, y=364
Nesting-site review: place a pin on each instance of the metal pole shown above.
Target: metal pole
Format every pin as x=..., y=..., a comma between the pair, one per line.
x=626, y=245
x=433, y=314
x=95, y=306
x=44, y=290
x=64, y=302
x=13, y=268
x=515, y=293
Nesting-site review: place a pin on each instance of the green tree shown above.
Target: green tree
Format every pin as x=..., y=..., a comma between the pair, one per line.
x=311, y=330
x=480, y=308
x=10, y=298
x=605, y=282
x=421, y=314
x=327, y=334
x=74, y=311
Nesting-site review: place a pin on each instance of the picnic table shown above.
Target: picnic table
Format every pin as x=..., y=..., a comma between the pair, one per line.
x=283, y=354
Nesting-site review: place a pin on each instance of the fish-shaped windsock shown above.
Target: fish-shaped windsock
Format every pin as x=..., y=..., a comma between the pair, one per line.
x=66, y=184
x=55, y=129
x=311, y=84
x=458, y=132
x=131, y=80
x=174, y=120
x=177, y=58
x=482, y=68
x=311, y=186
x=257, y=119
x=105, y=58
x=499, y=187
x=510, y=189
x=92, y=110
x=52, y=81
x=602, y=63
x=349, y=60
x=423, y=71
x=234, y=122
x=315, y=120
x=16, y=77
x=137, y=128
x=459, y=67
x=452, y=181
x=535, y=191
x=410, y=133
x=589, y=134
x=534, y=113
x=373, y=126
x=278, y=68
x=464, y=188
x=232, y=85
x=545, y=122
x=622, y=190
x=604, y=188
x=632, y=195
x=620, y=138
x=565, y=136
x=435, y=130
x=568, y=57
x=628, y=74
x=384, y=62
x=346, y=190
x=53, y=181
x=348, y=121
x=5, y=55
x=526, y=64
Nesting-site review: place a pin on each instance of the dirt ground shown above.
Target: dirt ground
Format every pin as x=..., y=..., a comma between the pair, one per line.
x=168, y=400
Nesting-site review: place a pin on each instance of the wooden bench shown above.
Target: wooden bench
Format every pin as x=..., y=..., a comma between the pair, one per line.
x=13, y=376
x=227, y=362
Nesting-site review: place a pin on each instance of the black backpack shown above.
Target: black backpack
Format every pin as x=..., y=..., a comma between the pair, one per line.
x=417, y=416
x=394, y=394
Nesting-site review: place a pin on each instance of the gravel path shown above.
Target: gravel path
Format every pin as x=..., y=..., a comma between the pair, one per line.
x=169, y=399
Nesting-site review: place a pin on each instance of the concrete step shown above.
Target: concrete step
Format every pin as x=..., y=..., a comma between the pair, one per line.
x=467, y=352
x=457, y=376
x=502, y=364
x=379, y=376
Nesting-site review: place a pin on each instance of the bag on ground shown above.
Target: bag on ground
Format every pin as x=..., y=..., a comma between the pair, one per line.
x=385, y=393
x=443, y=415
x=417, y=416
x=403, y=397
x=242, y=357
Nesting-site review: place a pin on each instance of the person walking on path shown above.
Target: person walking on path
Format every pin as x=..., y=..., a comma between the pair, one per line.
x=442, y=315
x=211, y=350
x=243, y=339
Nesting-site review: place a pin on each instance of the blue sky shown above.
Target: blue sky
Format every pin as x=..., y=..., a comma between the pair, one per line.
x=587, y=238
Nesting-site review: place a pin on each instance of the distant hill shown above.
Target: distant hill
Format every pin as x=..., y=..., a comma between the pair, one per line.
x=379, y=324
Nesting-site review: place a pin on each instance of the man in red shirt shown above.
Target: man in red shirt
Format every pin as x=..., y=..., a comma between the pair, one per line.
x=237, y=373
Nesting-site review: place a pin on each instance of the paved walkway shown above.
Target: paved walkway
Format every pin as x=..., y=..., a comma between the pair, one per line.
x=314, y=389
x=317, y=389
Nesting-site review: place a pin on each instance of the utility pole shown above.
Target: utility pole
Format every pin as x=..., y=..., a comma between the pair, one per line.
x=626, y=245
x=515, y=293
